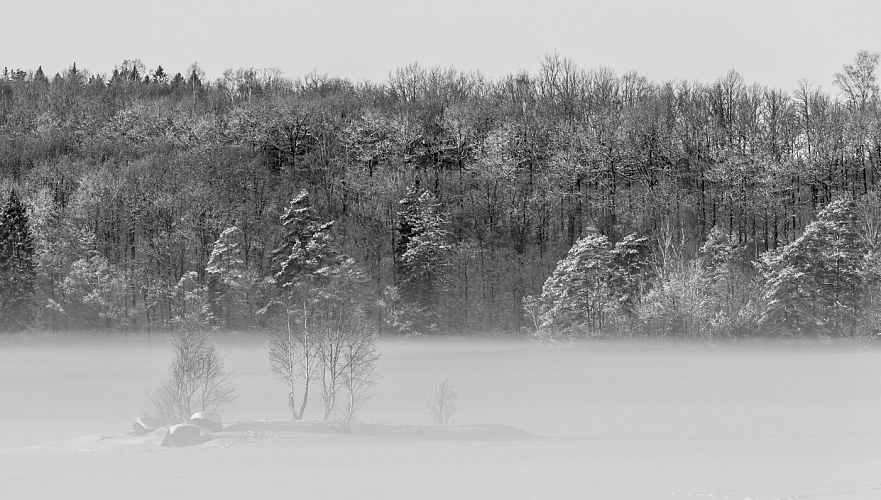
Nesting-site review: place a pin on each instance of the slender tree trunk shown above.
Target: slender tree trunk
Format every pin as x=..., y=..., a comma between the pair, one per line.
x=305, y=398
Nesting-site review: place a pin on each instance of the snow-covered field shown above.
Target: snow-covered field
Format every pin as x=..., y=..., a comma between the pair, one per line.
x=597, y=421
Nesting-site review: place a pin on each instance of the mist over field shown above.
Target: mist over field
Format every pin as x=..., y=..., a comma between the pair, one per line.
x=587, y=420
x=557, y=273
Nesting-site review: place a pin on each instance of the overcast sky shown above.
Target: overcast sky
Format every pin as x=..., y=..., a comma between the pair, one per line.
x=774, y=43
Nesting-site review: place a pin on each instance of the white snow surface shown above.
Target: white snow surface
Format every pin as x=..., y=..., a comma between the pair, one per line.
x=205, y=433
x=207, y=415
x=596, y=421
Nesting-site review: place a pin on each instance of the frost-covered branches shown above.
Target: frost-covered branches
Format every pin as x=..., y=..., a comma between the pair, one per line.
x=196, y=379
x=323, y=334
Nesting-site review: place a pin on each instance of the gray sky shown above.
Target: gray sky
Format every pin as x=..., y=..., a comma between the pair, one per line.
x=772, y=42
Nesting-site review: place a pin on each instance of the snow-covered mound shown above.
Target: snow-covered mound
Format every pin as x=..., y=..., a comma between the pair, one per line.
x=262, y=426
x=185, y=435
x=207, y=420
x=145, y=425
x=476, y=432
x=102, y=442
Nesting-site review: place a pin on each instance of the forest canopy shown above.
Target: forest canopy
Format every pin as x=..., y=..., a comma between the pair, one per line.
x=567, y=202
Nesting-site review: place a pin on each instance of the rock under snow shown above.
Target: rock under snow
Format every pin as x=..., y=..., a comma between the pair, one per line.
x=185, y=435
x=144, y=425
x=208, y=420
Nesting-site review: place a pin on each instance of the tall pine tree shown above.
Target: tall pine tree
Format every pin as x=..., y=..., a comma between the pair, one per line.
x=305, y=247
x=815, y=284
x=302, y=261
x=422, y=253
x=17, y=269
x=575, y=298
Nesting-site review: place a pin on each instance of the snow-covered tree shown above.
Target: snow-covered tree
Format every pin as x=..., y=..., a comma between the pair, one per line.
x=94, y=293
x=398, y=315
x=678, y=305
x=231, y=285
x=630, y=269
x=304, y=248
x=733, y=289
x=324, y=329
x=576, y=295
x=17, y=269
x=301, y=259
x=422, y=253
x=815, y=284
x=869, y=215
x=595, y=284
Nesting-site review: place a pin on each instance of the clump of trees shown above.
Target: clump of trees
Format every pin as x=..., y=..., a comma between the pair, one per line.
x=17, y=266
x=155, y=198
x=596, y=287
x=824, y=283
x=818, y=283
x=423, y=253
x=322, y=333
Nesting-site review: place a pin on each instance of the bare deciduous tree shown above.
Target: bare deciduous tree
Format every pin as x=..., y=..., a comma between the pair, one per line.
x=442, y=403
x=330, y=347
x=196, y=380
x=360, y=355
x=293, y=356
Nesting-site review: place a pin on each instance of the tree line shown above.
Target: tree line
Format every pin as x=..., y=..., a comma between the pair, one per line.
x=562, y=202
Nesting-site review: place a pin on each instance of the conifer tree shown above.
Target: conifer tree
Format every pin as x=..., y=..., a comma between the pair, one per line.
x=629, y=271
x=177, y=81
x=159, y=76
x=407, y=215
x=733, y=292
x=324, y=336
x=230, y=283
x=305, y=264
x=422, y=252
x=17, y=269
x=575, y=296
x=40, y=77
x=305, y=247
x=74, y=75
x=815, y=284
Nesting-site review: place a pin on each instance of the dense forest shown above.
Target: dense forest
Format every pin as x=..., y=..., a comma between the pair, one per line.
x=563, y=203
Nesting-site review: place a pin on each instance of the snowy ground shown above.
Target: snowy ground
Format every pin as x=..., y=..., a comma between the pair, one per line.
x=601, y=421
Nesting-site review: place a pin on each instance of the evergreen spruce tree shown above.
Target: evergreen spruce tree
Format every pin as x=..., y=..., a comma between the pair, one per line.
x=177, y=81
x=231, y=285
x=815, y=284
x=17, y=269
x=575, y=297
x=408, y=212
x=74, y=75
x=630, y=268
x=305, y=247
x=40, y=77
x=160, y=76
x=422, y=254
x=733, y=292
x=325, y=336
x=303, y=261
